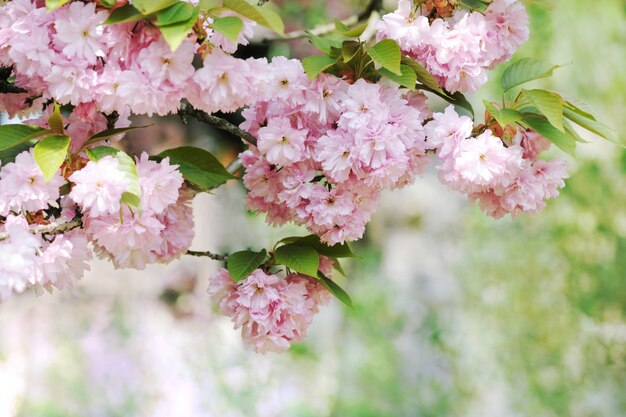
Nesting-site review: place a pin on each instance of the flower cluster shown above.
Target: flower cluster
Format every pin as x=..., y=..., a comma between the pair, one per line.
x=458, y=50
x=272, y=312
x=502, y=177
x=327, y=148
x=160, y=230
x=69, y=55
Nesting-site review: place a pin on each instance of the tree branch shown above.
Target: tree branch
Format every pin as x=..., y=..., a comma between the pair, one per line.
x=188, y=110
x=52, y=228
x=10, y=88
x=207, y=254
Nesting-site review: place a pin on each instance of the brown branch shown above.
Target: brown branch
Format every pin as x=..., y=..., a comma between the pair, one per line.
x=188, y=110
x=52, y=228
x=207, y=254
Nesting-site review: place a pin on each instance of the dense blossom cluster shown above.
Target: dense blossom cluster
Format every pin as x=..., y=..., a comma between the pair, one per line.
x=271, y=311
x=503, y=177
x=458, y=50
x=69, y=55
x=160, y=232
x=327, y=148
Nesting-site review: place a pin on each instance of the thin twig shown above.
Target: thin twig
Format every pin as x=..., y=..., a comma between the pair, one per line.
x=207, y=254
x=52, y=228
x=218, y=122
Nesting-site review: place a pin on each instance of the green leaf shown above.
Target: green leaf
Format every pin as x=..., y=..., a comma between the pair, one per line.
x=108, y=134
x=124, y=14
x=97, y=153
x=349, y=49
x=387, y=54
x=340, y=250
x=301, y=259
x=345, y=30
x=323, y=44
x=176, y=33
x=569, y=129
x=198, y=167
x=460, y=102
x=594, y=126
x=147, y=7
x=55, y=4
x=549, y=104
x=10, y=154
x=335, y=290
x=408, y=78
x=525, y=70
x=176, y=13
x=241, y=264
x=107, y=3
x=316, y=64
x=475, y=5
x=579, y=107
x=504, y=117
x=13, y=135
x=55, y=121
x=423, y=76
x=262, y=15
x=542, y=126
x=229, y=26
x=50, y=153
x=132, y=196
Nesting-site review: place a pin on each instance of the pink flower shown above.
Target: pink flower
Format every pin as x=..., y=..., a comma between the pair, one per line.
x=178, y=232
x=79, y=31
x=160, y=64
x=160, y=183
x=63, y=262
x=280, y=142
x=17, y=257
x=99, y=186
x=446, y=132
x=23, y=186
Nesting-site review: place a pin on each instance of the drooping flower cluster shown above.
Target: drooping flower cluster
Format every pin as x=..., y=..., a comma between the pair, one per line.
x=458, y=50
x=502, y=177
x=69, y=55
x=327, y=148
x=271, y=312
x=160, y=230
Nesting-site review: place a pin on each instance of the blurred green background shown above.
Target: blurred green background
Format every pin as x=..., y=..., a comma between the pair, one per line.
x=457, y=314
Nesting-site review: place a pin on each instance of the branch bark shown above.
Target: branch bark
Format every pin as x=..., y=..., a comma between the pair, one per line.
x=207, y=254
x=52, y=228
x=188, y=110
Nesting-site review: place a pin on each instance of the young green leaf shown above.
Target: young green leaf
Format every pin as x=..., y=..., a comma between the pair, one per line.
x=50, y=153
x=542, y=126
x=569, y=129
x=323, y=44
x=549, y=104
x=198, y=167
x=55, y=121
x=339, y=250
x=301, y=259
x=504, y=117
x=147, y=7
x=460, y=102
x=124, y=14
x=55, y=4
x=316, y=64
x=176, y=33
x=99, y=152
x=229, y=26
x=14, y=135
x=408, y=78
x=335, y=290
x=525, y=70
x=593, y=126
x=349, y=49
x=241, y=264
x=9, y=155
x=475, y=5
x=345, y=30
x=262, y=15
x=422, y=74
x=132, y=195
x=176, y=13
x=387, y=54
